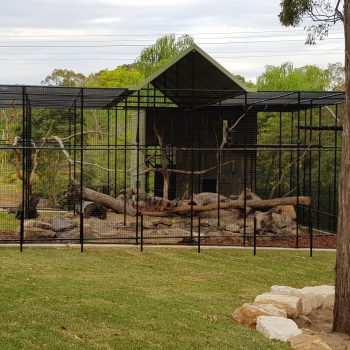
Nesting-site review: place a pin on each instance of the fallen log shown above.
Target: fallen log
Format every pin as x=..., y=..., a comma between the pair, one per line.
x=115, y=204
x=253, y=203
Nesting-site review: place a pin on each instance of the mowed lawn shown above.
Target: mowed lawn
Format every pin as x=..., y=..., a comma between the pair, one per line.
x=164, y=298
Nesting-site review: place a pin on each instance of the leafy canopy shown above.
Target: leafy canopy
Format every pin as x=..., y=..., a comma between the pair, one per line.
x=165, y=48
x=310, y=77
x=122, y=76
x=64, y=77
x=324, y=14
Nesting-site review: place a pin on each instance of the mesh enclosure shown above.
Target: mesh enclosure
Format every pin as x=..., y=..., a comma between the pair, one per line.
x=138, y=167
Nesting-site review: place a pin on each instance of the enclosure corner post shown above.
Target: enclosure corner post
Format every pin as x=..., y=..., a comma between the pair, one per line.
x=81, y=168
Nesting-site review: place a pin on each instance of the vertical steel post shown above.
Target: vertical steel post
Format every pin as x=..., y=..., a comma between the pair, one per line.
x=141, y=232
x=125, y=144
x=319, y=169
x=310, y=192
x=75, y=142
x=21, y=237
x=81, y=168
x=245, y=193
x=311, y=235
x=335, y=178
x=108, y=151
x=254, y=234
x=137, y=167
x=298, y=170
x=219, y=173
x=199, y=235
x=291, y=155
x=280, y=157
x=304, y=164
x=70, y=148
x=191, y=234
x=115, y=151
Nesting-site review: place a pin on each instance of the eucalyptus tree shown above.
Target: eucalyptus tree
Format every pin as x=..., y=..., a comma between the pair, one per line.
x=325, y=14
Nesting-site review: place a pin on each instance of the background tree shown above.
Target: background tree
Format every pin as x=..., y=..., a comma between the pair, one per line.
x=325, y=13
x=122, y=76
x=287, y=77
x=64, y=77
x=164, y=49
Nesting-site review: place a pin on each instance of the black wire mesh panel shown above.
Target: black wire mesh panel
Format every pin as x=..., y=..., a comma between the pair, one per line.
x=118, y=166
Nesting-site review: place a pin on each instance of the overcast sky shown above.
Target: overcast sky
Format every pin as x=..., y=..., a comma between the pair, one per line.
x=37, y=36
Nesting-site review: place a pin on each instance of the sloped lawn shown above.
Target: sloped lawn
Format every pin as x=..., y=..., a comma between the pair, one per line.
x=164, y=298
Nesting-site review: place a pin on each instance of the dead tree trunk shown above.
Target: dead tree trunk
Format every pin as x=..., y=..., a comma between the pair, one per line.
x=341, y=321
x=239, y=203
x=31, y=209
x=115, y=204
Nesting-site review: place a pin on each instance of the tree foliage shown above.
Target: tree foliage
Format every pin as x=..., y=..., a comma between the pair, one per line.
x=323, y=13
x=165, y=48
x=64, y=77
x=287, y=77
x=122, y=76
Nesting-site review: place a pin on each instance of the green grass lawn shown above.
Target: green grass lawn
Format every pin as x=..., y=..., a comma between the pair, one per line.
x=8, y=222
x=123, y=299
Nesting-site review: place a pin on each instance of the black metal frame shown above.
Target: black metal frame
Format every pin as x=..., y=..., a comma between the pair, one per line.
x=302, y=108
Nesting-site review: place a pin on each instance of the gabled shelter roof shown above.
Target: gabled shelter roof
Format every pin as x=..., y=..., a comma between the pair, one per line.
x=194, y=78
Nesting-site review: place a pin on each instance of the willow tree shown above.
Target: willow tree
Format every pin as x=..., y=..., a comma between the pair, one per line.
x=161, y=52
x=324, y=14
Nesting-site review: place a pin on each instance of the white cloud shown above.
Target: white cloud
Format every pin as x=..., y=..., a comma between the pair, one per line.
x=106, y=20
x=138, y=23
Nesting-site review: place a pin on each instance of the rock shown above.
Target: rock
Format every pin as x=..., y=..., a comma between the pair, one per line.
x=248, y=313
x=279, y=328
x=249, y=230
x=275, y=221
x=325, y=292
x=308, y=342
x=304, y=321
x=281, y=220
x=42, y=224
x=309, y=300
x=205, y=198
x=233, y=214
x=36, y=232
x=249, y=221
x=72, y=234
x=288, y=209
x=60, y=224
x=232, y=228
x=213, y=234
x=292, y=304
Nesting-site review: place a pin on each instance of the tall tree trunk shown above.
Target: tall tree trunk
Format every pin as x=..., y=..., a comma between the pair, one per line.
x=342, y=285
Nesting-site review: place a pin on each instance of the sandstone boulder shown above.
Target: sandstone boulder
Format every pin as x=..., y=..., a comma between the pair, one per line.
x=36, y=232
x=325, y=292
x=292, y=304
x=309, y=300
x=248, y=313
x=279, y=328
x=233, y=228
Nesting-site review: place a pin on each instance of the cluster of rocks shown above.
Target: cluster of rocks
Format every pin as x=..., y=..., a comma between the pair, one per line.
x=273, y=314
x=102, y=223
x=157, y=229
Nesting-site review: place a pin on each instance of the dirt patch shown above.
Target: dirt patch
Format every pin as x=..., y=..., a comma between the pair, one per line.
x=321, y=326
x=319, y=241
